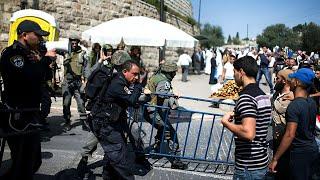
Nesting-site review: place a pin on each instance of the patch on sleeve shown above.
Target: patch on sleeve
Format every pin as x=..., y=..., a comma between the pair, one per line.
x=167, y=86
x=126, y=89
x=17, y=61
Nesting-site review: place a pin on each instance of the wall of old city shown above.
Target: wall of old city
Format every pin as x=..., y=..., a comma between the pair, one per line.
x=76, y=16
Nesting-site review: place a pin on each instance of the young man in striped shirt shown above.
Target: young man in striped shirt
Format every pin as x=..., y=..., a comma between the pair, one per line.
x=251, y=117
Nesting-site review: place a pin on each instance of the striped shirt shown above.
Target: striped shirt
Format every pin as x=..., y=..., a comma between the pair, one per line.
x=253, y=102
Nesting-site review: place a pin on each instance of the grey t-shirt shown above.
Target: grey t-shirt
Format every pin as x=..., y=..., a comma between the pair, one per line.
x=303, y=112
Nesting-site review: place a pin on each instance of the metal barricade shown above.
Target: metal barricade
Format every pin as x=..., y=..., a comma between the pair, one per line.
x=201, y=136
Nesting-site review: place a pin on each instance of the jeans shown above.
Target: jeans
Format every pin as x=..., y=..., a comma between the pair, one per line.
x=249, y=175
x=185, y=72
x=265, y=71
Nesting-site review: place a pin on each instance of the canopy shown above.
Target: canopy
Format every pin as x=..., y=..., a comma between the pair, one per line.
x=139, y=30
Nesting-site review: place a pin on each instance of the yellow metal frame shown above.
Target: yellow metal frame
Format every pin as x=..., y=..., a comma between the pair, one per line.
x=45, y=25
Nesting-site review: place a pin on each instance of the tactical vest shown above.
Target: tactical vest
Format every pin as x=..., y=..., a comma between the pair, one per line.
x=152, y=85
x=76, y=63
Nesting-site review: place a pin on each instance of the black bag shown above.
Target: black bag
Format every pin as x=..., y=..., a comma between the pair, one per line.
x=96, y=81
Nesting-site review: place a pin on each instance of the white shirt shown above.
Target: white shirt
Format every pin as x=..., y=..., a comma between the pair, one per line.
x=207, y=68
x=184, y=60
x=229, y=70
x=219, y=64
x=272, y=61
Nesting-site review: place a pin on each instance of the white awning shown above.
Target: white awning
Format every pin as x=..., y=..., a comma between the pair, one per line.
x=139, y=30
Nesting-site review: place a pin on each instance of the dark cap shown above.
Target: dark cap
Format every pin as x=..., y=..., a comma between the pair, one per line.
x=31, y=26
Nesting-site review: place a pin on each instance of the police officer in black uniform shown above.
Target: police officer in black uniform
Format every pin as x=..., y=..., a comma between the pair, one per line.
x=22, y=68
x=109, y=120
x=46, y=93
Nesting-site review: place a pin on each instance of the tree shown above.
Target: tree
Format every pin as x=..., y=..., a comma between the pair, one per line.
x=311, y=37
x=214, y=35
x=299, y=28
x=236, y=40
x=229, y=41
x=279, y=35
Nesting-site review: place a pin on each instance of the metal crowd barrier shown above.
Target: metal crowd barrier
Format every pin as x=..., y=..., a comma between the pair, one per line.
x=201, y=136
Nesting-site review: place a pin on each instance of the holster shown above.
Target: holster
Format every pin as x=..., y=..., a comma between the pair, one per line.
x=108, y=111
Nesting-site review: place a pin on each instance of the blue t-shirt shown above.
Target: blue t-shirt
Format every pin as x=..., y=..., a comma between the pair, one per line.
x=303, y=112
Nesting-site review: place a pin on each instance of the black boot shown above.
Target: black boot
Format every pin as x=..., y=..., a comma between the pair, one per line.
x=82, y=168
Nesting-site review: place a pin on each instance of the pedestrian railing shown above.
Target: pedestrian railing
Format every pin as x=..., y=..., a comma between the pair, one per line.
x=200, y=135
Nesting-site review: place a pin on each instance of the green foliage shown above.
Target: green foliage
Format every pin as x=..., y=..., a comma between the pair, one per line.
x=188, y=19
x=302, y=36
x=191, y=21
x=237, y=35
x=311, y=37
x=229, y=41
x=278, y=35
x=236, y=40
x=214, y=35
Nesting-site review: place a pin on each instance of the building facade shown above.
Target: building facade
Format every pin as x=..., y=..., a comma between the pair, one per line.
x=183, y=7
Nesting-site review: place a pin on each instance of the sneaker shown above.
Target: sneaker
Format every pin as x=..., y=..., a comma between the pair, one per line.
x=178, y=164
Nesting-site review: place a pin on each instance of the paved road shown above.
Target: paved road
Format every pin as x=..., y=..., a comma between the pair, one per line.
x=61, y=150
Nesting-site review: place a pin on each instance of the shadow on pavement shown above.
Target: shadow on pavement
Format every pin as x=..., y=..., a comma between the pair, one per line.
x=56, y=125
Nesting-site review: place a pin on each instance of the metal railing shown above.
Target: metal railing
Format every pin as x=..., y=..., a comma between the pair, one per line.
x=201, y=135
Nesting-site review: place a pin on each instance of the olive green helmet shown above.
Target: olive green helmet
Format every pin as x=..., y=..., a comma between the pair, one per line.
x=107, y=47
x=120, y=57
x=74, y=37
x=169, y=67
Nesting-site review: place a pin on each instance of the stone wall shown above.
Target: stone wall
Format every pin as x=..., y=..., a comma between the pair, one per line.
x=76, y=16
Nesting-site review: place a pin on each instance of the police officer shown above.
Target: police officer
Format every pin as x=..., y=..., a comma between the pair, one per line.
x=135, y=54
x=100, y=72
x=22, y=69
x=73, y=79
x=46, y=92
x=109, y=121
x=161, y=83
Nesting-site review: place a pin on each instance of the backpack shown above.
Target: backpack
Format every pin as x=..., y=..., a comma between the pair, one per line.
x=98, y=81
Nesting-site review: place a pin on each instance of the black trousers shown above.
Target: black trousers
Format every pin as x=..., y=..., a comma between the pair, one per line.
x=45, y=102
x=112, y=140
x=301, y=164
x=25, y=155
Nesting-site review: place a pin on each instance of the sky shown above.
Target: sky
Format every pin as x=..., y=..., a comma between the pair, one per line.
x=234, y=15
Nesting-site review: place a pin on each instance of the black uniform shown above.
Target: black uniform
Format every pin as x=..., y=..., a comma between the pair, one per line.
x=109, y=128
x=22, y=76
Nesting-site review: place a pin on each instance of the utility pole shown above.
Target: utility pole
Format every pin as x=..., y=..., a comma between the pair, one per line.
x=247, y=33
x=23, y=4
x=162, y=10
x=35, y=4
x=199, y=12
x=162, y=50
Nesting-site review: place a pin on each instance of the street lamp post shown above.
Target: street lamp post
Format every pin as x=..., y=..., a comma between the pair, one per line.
x=162, y=18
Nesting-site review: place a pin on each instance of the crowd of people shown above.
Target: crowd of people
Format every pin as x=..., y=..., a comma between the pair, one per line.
x=106, y=81
x=293, y=107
